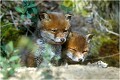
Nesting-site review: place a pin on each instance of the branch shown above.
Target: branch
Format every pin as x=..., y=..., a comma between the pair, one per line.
x=13, y=19
x=103, y=27
x=105, y=56
x=112, y=32
x=29, y=30
x=38, y=3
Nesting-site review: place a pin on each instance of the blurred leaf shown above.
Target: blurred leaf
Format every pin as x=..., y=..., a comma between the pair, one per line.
x=20, y=10
x=22, y=16
x=28, y=15
x=66, y=9
x=25, y=2
x=2, y=60
x=34, y=10
x=9, y=47
x=13, y=58
x=68, y=3
x=24, y=41
x=11, y=72
x=16, y=51
x=5, y=64
x=84, y=13
x=31, y=5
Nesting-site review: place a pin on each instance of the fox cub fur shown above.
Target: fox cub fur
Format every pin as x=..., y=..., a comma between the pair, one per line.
x=52, y=31
x=76, y=48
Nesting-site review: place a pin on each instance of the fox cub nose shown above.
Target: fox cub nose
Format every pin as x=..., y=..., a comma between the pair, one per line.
x=62, y=40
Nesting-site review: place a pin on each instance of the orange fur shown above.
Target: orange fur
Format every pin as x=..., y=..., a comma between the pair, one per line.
x=56, y=25
x=76, y=45
x=54, y=28
x=30, y=61
x=57, y=21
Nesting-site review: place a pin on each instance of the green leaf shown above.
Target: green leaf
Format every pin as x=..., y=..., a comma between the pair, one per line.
x=5, y=64
x=22, y=16
x=13, y=58
x=84, y=13
x=66, y=9
x=68, y=3
x=31, y=5
x=28, y=15
x=9, y=47
x=16, y=51
x=11, y=72
x=34, y=10
x=20, y=10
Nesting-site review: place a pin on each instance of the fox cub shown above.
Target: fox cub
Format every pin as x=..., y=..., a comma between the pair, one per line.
x=53, y=29
x=75, y=49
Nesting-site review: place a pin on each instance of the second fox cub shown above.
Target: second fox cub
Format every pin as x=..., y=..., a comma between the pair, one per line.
x=76, y=48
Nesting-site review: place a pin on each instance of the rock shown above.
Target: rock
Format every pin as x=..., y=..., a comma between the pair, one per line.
x=98, y=64
x=73, y=72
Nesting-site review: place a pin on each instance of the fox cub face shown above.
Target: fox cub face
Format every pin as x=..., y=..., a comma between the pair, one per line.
x=75, y=48
x=54, y=27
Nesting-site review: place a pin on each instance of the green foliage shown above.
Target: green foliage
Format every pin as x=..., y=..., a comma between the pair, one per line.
x=67, y=6
x=68, y=3
x=9, y=33
x=77, y=6
x=66, y=9
x=111, y=8
x=27, y=9
x=20, y=10
x=26, y=43
x=10, y=62
x=9, y=48
x=97, y=42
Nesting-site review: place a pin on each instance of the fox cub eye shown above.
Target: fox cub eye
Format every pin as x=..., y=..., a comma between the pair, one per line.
x=85, y=51
x=53, y=30
x=65, y=30
x=73, y=49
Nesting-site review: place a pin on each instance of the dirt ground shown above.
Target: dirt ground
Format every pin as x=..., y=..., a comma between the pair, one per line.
x=71, y=72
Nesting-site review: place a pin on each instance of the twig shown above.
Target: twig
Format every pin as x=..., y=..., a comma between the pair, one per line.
x=112, y=32
x=38, y=3
x=104, y=57
x=29, y=31
x=13, y=19
x=103, y=27
x=1, y=15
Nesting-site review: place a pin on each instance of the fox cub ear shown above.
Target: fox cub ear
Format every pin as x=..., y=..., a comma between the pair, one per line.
x=68, y=16
x=89, y=37
x=44, y=16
